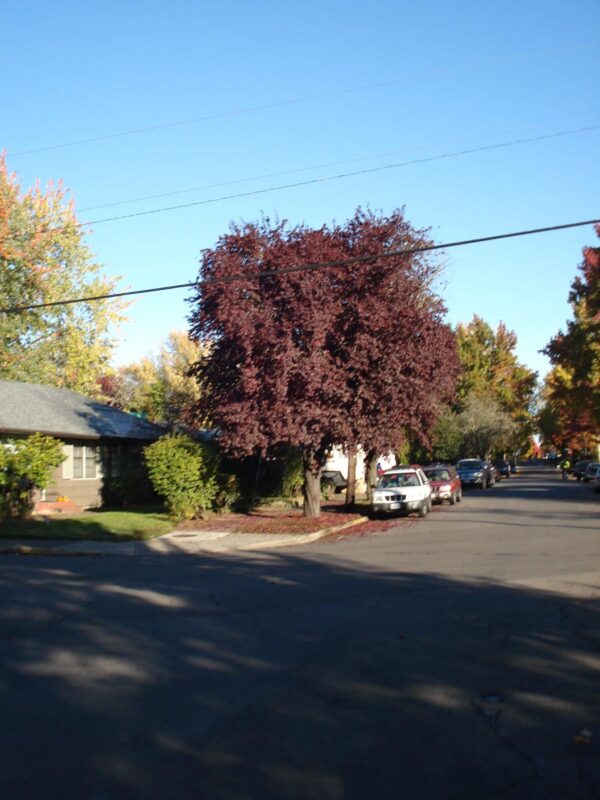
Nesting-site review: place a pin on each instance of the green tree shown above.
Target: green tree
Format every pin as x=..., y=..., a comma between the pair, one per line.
x=484, y=427
x=492, y=371
x=26, y=465
x=159, y=387
x=43, y=258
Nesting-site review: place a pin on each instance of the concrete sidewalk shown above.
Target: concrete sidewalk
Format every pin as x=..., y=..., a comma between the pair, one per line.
x=174, y=543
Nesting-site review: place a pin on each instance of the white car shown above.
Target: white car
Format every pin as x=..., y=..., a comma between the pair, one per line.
x=404, y=489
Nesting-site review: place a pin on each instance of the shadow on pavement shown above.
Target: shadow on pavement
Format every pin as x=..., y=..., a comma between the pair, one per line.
x=284, y=677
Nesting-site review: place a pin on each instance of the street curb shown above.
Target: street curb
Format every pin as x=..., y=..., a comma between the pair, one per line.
x=25, y=550
x=126, y=549
x=306, y=538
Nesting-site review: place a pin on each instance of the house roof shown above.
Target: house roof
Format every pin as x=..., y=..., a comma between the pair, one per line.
x=33, y=408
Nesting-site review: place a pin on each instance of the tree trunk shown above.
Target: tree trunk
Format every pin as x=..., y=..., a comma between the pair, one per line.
x=351, y=477
x=312, y=485
x=371, y=477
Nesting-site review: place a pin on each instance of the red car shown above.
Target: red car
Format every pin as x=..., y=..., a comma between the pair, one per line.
x=445, y=483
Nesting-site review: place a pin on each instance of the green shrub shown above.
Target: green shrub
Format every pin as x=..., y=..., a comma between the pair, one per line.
x=133, y=488
x=184, y=472
x=228, y=492
x=327, y=488
x=26, y=465
x=293, y=474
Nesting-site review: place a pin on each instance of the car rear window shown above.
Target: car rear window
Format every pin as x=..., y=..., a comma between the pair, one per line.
x=438, y=474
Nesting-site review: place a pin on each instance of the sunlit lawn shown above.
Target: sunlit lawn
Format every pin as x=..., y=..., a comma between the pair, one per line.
x=93, y=525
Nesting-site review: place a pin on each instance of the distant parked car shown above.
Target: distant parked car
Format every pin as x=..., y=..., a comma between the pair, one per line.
x=403, y=489
x=475, y=472
x=493, y=472
x=503, y=468
x=597, y=483
x=579, y=469
x=445, y=483
x=591, y=471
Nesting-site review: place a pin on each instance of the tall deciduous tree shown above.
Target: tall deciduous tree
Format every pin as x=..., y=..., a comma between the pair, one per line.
x=160, y=387
x=43, y=258
x=575, y=384
x=317, y=358
x=491, y=369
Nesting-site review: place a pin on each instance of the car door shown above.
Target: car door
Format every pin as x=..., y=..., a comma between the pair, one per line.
x=425, y=485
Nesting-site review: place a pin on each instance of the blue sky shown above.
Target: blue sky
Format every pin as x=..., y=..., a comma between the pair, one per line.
x=405, y=81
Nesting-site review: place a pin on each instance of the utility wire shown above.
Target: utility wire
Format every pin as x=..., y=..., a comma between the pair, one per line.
x=280, y=103
x=325, y=179
x=344, y=262
x=280, y=173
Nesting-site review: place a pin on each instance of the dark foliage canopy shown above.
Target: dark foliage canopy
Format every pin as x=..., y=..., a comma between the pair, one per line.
x=342, y=355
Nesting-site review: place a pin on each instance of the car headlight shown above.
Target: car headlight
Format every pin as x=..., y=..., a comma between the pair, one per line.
x=477, y=474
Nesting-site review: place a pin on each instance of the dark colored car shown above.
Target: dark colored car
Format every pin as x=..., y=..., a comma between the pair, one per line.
x=475, y=472
x=591, y=471
x=502, y=468
x=445, y=483
x=579, y=469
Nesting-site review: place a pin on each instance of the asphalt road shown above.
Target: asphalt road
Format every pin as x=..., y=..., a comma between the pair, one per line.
x=457, y=657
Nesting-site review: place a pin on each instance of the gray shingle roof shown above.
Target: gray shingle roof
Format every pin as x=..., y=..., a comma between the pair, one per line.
x=32, y=408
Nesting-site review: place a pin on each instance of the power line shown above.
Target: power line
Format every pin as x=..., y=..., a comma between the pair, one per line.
x=345, y=262
x=245, y=180
x=325, y=179
x=277, y=104
x=277, y=174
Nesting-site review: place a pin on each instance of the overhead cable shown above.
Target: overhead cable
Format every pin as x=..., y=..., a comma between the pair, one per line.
x=325, y=179
x=345, y=262
x=282, y=103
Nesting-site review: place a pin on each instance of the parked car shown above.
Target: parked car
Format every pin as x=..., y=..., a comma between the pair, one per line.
x=502, y=468
x=597, y=483
x=445, y=483
x=579, y=469
x=493, y=472
x=591, y=471
x=475, y=472
x=403, y=489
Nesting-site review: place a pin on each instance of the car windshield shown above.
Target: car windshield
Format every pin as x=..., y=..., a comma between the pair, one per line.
x=438, y=474
x=398, y=480
x=470, y=463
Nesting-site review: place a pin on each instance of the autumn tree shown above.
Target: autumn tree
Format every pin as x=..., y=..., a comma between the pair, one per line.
x=492, y=371
x=314, y=358
x=159, y=387
x=43, y=258
x=573, y=387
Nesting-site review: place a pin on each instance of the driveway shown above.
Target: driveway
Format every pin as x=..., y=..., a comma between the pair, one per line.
x=455, y=658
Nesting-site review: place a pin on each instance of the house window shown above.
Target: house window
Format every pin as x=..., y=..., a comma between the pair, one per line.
x=84, y=461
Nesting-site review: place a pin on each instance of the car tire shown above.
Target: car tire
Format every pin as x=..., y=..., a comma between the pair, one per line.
x=423, y=509
x=459, y=496
x=452, y=499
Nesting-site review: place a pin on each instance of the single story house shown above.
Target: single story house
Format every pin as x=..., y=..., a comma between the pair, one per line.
x=99, y=441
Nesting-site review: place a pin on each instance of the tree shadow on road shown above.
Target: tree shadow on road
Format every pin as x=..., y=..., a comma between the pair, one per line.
x=287, y=677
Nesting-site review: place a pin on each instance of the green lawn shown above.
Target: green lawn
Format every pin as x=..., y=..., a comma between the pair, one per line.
x=92, y=525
